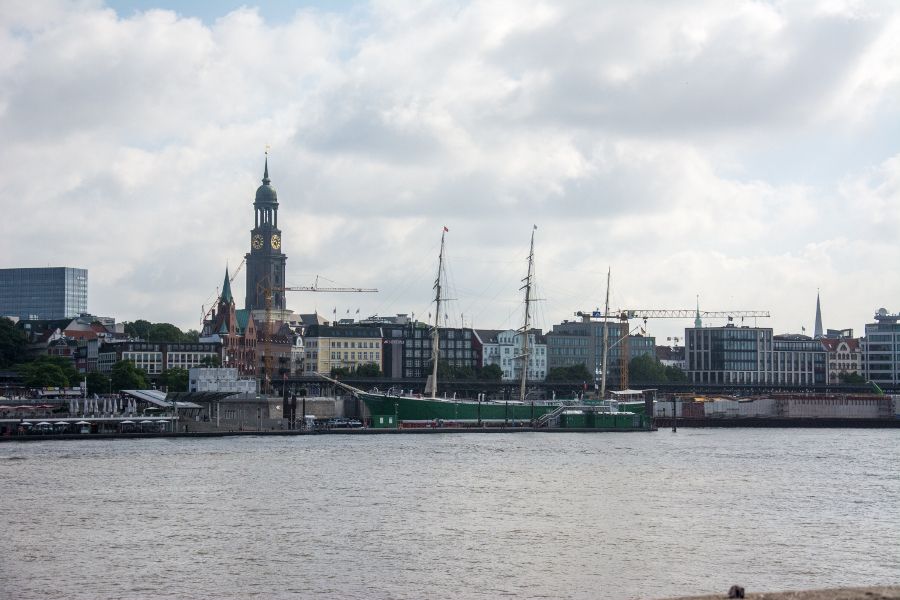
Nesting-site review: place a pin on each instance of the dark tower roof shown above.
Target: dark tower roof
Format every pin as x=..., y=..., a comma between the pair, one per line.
x=226, y=288
x=265, y=194
x=817, y=331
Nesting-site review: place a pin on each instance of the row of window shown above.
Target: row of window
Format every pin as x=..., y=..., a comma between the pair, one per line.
x=346, y=344
x=354, y=356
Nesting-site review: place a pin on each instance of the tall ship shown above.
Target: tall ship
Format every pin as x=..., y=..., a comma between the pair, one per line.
x=432, y=410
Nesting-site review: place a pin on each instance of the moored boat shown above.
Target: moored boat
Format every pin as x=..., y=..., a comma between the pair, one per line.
x=432, y=410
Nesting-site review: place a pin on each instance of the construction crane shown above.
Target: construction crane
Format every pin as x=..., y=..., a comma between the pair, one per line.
x=268, y=292
x=624, y=315
x=207, y=312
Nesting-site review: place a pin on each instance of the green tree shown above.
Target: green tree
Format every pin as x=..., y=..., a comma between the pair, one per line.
x=572, y=373
x=338, y=372
x=491, y=373
x=126, y=376
x=166, y=332
x=676, y=375
x=49, y=371
x=12, y=343
x=368, y=370
x=852, y=378
x=98, y=383
x=646, y=369
x=211, y=361
x=39, y=375
x=175, y=380
x=463, y=373
x=159, y=332
x=138, y=329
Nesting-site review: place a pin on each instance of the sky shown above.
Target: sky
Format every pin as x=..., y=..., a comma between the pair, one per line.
x=743, y=152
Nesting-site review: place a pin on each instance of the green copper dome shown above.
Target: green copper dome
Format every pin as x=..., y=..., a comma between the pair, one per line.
x=265, y=194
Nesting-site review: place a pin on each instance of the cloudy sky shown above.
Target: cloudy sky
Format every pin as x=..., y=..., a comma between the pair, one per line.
x=748, y=152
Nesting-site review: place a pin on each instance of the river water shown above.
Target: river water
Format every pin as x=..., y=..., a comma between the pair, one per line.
x=622, y=515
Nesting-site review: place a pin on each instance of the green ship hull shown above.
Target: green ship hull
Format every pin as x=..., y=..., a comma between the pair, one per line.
x=420, y=410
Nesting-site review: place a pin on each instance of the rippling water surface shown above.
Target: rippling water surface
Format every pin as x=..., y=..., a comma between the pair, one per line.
x=451, y=516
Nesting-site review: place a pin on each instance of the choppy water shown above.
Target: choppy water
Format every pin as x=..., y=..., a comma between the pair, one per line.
x=451, y=516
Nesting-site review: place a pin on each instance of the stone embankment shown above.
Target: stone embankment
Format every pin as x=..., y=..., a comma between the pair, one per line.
x=862, y=593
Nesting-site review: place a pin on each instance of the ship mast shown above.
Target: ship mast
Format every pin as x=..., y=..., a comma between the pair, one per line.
x=605, y=340
x=436, y=332
x=527, y=287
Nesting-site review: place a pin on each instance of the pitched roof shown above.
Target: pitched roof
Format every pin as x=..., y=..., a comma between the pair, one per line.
x=243, y=316
x=831, y=344
x=488, y=336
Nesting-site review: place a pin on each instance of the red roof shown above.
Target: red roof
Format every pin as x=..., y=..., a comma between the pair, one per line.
x=831, y=345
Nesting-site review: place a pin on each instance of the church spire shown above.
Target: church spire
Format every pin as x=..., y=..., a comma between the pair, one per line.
x=818, y=333
x=226, y=288
x=265, y=178
x=697, y=322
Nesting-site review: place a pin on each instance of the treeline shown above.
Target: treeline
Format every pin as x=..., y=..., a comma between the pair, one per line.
x=160, y=332
x=641, y=369
x=57, y=371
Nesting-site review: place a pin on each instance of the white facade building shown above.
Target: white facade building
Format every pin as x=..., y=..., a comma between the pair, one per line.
x=844, y=358
x=219, y=380
x=504, y=349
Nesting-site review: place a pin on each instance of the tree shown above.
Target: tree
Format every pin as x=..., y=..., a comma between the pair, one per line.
x=166, y=332
x=646, y=369
x=12, y=343
x=159, y=332
x=39, y=375
x=491, y=373
x=175, y=380
x=572, y=373
x=49, y=371
x=98, y=383
x=368, y=370
x=211, y=361
x=338, y=372
x=448, y=372
x=676, y=375
x=138, y=329
x=126, y=376
x=853, y=378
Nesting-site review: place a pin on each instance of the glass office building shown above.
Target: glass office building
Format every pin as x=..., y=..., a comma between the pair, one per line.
x=43, y=293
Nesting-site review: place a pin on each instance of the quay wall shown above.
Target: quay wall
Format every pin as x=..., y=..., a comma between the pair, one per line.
x=811, y=422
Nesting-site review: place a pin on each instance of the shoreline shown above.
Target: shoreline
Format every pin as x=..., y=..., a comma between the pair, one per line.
x=297, y=432
x=781, y=422
x=889, y=592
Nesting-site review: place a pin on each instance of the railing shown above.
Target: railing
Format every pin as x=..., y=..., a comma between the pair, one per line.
x=545, y=419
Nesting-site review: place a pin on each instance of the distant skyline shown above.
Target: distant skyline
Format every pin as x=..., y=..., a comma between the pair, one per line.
x=743, y=151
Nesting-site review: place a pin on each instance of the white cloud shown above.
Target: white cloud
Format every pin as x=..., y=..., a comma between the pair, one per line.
x=629, y=132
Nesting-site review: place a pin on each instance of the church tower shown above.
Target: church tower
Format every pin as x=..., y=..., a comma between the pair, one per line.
x=265, y=261
x=817, y=331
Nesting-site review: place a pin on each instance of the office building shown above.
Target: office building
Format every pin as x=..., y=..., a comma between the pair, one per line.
x=43, y=293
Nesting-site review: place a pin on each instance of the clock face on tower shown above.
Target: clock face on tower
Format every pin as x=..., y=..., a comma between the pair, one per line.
x=276, y=242
x=257, y=242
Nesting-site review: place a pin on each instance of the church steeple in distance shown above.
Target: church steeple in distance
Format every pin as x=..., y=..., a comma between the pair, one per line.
x=226, y=288
x=697, y=321
x=817, y=332
x=265, y=261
